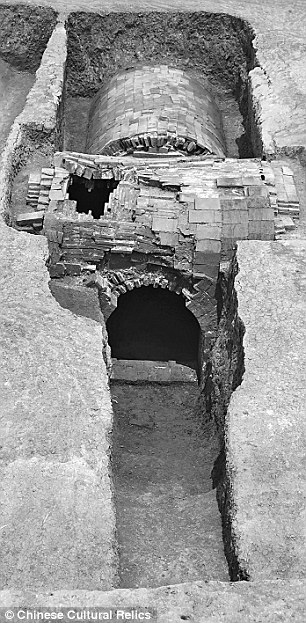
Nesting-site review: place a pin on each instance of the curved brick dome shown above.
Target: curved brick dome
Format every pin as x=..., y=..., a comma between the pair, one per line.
x=155, y=109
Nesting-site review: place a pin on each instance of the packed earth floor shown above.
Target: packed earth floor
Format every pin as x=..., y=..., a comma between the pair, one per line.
x=168, y=522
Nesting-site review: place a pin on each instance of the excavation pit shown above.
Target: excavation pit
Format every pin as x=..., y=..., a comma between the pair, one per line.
x=168, y=523
x=24, y=35
x=61, y=377
x=214, y=49
x=165, y=441
x=164, y=449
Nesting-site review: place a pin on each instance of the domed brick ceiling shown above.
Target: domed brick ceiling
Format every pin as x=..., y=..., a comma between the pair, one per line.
x=156, y=110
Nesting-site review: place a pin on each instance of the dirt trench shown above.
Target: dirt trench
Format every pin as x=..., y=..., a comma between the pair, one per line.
x=168, y=522
x=14, y=87
x=214, y=48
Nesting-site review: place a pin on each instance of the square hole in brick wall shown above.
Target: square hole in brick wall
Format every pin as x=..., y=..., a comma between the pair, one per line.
x=91, y=195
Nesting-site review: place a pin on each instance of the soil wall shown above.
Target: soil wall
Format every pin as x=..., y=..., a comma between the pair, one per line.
x=24, y=34
x=223, y=374
x=36, y=133
x=215, y=48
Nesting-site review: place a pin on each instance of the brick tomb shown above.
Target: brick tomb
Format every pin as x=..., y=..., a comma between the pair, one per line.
x=155, y=110
x=167, y=223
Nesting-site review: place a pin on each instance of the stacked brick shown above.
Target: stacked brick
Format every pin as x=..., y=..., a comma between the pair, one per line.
x=86, y=166
x=37, y=200
x=167, y=224
x=286, y=204
x=185, y=216
x=34, y=190
x=117, y=282
x=155, y=110
x=287, y=197
x=278, y=178
x=247, y=213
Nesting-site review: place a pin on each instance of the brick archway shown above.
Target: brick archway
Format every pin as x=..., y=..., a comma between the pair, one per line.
x=201, y=303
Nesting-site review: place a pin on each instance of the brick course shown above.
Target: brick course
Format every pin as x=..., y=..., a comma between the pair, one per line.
x=155, y=109
x=164, y=212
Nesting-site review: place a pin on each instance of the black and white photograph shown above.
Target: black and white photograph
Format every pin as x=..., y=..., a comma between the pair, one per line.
x=153, y=311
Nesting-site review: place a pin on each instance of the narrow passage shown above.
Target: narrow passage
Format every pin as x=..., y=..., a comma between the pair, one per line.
x=168, y=522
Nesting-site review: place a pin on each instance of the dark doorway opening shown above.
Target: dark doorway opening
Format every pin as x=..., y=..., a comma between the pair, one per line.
x=91, y=195
x=153, y=324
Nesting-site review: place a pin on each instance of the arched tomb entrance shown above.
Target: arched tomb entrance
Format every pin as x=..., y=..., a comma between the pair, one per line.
x=154, y=324
x=163, y=449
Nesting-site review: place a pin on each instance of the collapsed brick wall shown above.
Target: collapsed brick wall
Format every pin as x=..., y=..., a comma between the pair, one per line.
x=166, y=221
x=180, y=215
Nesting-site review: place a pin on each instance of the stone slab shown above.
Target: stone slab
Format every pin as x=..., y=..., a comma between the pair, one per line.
x=152, y=371
x=235, y=216
x=288, y=222
x=207, y=257
x=208, y=245
x=168, y=239
x=80, y=300
x=30, y=217
x=205, y=216
x=164, y=224
x=207, y=203
x=238, y=231
x=212, y=232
